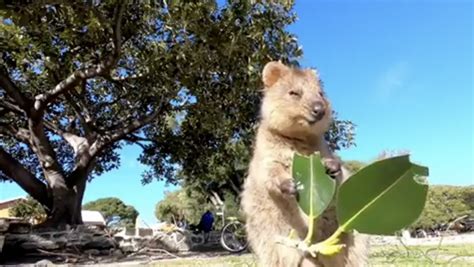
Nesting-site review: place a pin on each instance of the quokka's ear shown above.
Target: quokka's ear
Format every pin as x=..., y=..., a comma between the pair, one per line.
x=272, y=72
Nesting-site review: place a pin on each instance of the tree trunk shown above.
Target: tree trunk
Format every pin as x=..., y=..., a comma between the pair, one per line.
x=67, y=203
x=80, y=188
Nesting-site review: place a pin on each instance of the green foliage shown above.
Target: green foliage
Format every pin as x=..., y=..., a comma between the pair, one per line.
x=232, y=206
x=393, y=198
x=116, y=212
x=190, y=205
x=220, y=125
x=444, y=204
x=28, y=209
x=179, y=205
x=317, y=187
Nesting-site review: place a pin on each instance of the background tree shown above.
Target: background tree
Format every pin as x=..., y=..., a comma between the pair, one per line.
x=211, y=140
x=179, y=205
x=191, y=204
x=66, y=99
x=79, y=79
x=445, y=204
x=116, y=212
x=28, y=209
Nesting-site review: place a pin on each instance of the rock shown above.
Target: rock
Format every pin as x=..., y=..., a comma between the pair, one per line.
x=101, y=242
x=45, y=245
x=117, y=253
x=43, y=263
x=127, y=248
x=4, y=225
x=92, y=252
x=2, y=241
x=29, y=242
x=91, y=242
x=19, y=228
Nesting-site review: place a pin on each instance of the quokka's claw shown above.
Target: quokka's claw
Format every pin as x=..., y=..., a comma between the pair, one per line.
x=325, y=249
x=328, y=247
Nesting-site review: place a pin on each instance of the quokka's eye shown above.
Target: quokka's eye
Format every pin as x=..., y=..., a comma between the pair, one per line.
x=293, y=93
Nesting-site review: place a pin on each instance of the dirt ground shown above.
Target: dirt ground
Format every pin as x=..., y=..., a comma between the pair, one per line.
x=382, y=249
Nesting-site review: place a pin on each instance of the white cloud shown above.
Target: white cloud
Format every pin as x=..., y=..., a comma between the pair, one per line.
x=391, y=80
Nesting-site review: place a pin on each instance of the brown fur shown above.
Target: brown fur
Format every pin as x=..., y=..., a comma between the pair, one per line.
x=288, y=126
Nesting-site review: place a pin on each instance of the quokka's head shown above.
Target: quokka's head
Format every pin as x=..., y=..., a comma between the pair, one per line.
x=294, y=103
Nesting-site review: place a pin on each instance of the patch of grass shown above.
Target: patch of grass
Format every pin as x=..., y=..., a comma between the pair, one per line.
x=244, y=260
x=446, y=255
x=452, y=255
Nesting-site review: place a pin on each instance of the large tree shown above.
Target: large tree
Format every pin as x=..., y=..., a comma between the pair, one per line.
x=80, y=79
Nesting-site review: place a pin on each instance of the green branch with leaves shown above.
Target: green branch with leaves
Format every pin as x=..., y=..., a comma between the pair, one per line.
x=380, y=199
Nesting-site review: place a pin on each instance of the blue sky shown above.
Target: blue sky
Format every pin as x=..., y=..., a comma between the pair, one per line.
x=401, y=70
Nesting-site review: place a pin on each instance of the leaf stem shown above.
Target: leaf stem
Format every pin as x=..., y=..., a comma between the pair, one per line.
x=309, y=235
x=311, y=216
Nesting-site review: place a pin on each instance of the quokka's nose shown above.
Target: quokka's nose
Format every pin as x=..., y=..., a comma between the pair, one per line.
x=318, y=109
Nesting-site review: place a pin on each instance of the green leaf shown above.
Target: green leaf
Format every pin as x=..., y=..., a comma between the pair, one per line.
x=384, y=197
x=317, y=188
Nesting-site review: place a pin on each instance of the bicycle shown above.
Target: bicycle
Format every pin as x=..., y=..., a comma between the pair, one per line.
x=233, y=236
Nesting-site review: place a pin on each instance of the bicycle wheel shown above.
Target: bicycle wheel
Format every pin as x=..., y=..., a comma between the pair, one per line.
x=233, y=237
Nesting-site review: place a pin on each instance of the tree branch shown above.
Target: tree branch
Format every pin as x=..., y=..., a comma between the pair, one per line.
x=126, y=78
x=11, y=107
x=84, y=157
x=84, y=119
x=12, y=90
x=118, y=30
x=138, y=138
x=69, y=83
x=132, y=127
x=131, y=138
x=21, y=134
x=41, y=146
x=24, y=178
x=87, y=156
x=42, y=100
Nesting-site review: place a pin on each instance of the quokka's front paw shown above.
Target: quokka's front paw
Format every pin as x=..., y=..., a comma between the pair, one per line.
x=288, y=188
x=333, y=167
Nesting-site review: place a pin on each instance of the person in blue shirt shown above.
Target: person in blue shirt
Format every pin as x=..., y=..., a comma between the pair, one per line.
x=206, y=223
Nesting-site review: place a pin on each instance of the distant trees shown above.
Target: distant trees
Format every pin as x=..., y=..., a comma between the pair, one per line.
x=444, y=204
x=190, y=205
x=179, y=205
x=116, y=212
